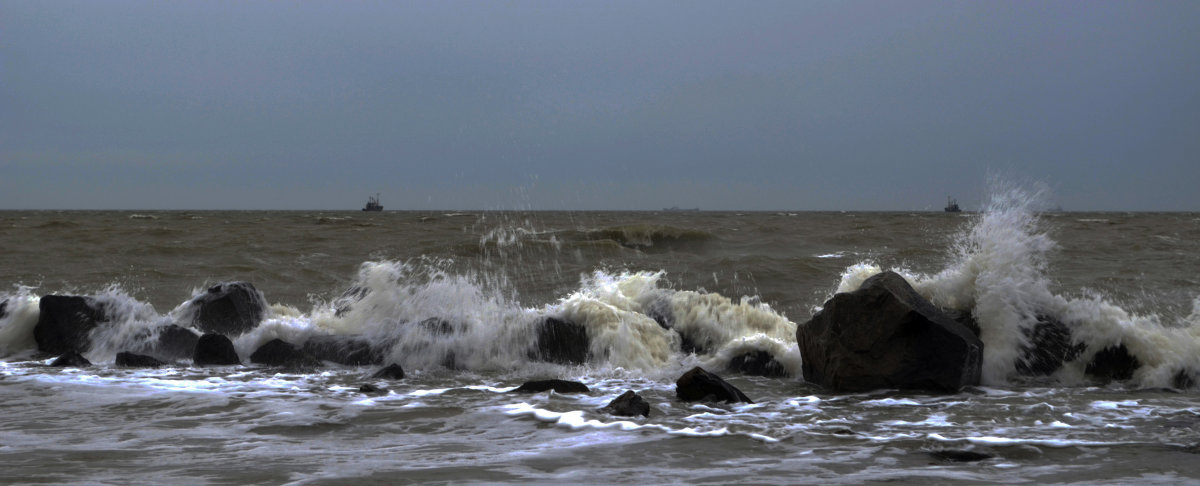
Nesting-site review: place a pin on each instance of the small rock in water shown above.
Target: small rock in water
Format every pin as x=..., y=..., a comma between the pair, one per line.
x=372, y=389
x=125, y=358
x=1113, y=363
x=71, y=359
x=390, y=372
x=758, y=363
x=278, y=352
x=629, y=404
x=952, y=455
x=215, y=349
x=560, y=386
x=698, y=384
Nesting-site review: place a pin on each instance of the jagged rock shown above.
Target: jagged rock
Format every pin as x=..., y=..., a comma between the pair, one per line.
x=757, y=363
x=215, y=349
x=952, y=455
x=561, y=342
x=698, y=384
x=629, y=404
x=346, y=350
x=560, y=386
x=1050, y=345
x=229, y=308
x=372, y=389
x=689, y=345
x=3, y=308
x=277, y=352
x=71, y=359
x=125, y=358
x=390, y=372
x=1113, y=363
x=885, y=335
x=65, y=322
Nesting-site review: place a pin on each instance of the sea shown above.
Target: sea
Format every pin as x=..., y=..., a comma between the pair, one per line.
x=743, y=280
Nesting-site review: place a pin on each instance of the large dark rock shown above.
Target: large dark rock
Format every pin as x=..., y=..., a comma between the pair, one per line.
x=629, y=404
x=757, y=363
x=885, y=335
x=561, y=342
x=131, y=360
x=1113, y=363
x=229, y=308
x=346, y=350
x=3, y=308
x=560, y=386
x=215, y=349
x=698, y=384
x=174, y=342
x=1049, y=345
x=390, y=372
x=956, y=455
x=65, y=322
x=71, y=359
x=277, y=352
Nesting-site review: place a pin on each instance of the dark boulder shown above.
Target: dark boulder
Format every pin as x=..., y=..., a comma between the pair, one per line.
x=70, y=359
x=1113, y=363
x=65, y=322
x=629, y=404
x=1183, y=380
x=757, y=363
x=3, y=308
x=390, y=372
x=215, y=349
x=229, y=308
x=560, y=386
x=561, y=342
x=692, y=344
x=277, y=352
x=167, y=343
x=346, y=350
x=698, y=384
x=1049, y=345
x=131, y=360
x=885, y=335
x=965, y=318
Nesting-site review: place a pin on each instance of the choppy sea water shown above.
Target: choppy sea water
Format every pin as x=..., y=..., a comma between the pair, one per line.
x=742, y=280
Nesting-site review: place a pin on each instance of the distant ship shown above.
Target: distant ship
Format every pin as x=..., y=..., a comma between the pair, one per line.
x=952, y=205
x=373, y=204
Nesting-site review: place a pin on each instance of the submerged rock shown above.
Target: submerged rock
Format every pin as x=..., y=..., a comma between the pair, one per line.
x=65, y=321
x=390, y=372
x=1183, y=380
x=229, y=308
x=372, y=389
x=954, y=455
x=3, y=308
x=757, y=363
x=885, y=335
x=561, y=342
x=1113, y=363
x=71, y=359
x=215, y=349
x=560, y=386
x=698, y=384
x=131, y=360
x=345, y=350
x=629, y=404
x=277, y=352
x=1049, y=346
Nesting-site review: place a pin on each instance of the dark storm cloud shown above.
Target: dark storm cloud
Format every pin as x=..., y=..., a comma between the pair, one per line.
x=570, y=105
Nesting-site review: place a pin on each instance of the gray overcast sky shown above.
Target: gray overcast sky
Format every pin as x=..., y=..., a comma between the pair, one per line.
x=596, y=105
